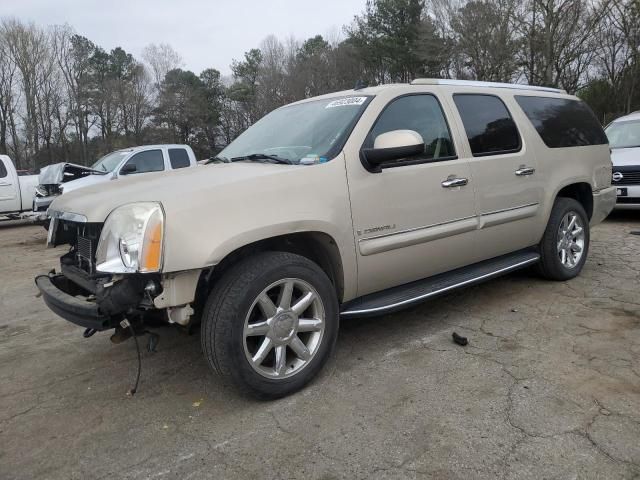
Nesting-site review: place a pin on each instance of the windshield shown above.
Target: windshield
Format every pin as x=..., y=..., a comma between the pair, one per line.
x=624, y=134
x=310, y=132
x=110, y=161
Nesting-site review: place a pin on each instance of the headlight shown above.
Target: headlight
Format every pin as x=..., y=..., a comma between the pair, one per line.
x=132, y=239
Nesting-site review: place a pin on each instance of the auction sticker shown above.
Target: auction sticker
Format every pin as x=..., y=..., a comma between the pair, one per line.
x=347, y=101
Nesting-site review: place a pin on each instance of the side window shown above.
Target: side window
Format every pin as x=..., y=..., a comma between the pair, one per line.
x=179, y=158
x=148, y=161
x=562, y=122
x=423, y=114
x=3, y=170
x=488, y=124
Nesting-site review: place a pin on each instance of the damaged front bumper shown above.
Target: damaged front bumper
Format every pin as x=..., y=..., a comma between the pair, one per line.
x=55, y=293
x=102, y=302
x=98, y=304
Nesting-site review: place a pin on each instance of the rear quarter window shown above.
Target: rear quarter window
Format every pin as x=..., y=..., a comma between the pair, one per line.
x=3, y=170
x=179, y=158
x=562, y=122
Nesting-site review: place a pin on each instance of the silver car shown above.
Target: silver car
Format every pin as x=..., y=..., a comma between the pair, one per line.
x=624, y=140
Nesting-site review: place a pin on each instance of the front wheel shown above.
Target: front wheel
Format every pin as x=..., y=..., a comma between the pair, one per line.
x=271, y=323
x=565, y=244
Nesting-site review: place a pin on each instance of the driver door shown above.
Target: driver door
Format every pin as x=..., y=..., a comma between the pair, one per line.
x=410, y=221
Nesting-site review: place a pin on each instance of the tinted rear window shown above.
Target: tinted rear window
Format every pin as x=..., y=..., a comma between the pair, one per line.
x=179, y=158
x=489, y=126
x=3, y=170
x=562, y=122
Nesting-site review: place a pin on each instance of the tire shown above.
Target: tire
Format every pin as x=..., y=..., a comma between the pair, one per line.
x=236, y=330
x=551, y=264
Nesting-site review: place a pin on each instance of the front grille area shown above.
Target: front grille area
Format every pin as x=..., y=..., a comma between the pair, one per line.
x=630, y=176
x=85, y=253
x=83, y=238
x=48, y=190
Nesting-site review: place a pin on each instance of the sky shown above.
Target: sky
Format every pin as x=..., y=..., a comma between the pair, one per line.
x=205, y=33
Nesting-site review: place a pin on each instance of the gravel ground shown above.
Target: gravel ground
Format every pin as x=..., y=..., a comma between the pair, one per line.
x=548, y=387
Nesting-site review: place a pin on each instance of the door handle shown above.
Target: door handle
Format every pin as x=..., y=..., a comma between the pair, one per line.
x=524, y=170
x=5, y=184
x=452, y=181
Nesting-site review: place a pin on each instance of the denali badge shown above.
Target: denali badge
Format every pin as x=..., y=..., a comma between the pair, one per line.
x=376, y=229
x=617, y=176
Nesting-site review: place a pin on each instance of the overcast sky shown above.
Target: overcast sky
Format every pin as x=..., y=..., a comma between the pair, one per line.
x=206, y=33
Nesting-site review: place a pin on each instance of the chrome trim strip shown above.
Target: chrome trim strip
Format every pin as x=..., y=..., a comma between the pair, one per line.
x=511, y=208
x=442, y=290
x=69, y=216
x=415, y=229
x=424, y=235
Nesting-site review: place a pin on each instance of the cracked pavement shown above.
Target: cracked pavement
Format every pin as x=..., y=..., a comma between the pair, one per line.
x=548, y=387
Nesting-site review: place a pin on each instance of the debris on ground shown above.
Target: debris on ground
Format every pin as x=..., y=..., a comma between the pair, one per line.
x=460, y=340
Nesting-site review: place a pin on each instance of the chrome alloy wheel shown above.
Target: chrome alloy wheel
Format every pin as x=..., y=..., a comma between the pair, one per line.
x=284, y=328
x=570, y=240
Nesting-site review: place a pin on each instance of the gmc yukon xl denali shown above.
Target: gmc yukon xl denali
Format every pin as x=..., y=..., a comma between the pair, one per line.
x=355, y=203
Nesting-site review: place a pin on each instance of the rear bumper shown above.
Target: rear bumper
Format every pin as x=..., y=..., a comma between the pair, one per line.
x=603, y=203
x=75, y=309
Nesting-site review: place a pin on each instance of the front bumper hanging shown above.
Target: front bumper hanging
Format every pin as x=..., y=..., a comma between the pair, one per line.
x=75, y=309
x=90, y=304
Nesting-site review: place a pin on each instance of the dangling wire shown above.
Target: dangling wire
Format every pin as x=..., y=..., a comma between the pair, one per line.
x=133, y=391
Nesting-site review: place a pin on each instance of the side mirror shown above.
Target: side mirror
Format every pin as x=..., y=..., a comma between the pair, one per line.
x=128, y=168
x=393, y=145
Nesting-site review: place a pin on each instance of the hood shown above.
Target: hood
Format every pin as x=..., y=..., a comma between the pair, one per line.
x=86, y=181
x=212, y=185
x=64, y=172
x=622, y=157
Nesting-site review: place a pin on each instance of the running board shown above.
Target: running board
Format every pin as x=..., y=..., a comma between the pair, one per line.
x=409, y=294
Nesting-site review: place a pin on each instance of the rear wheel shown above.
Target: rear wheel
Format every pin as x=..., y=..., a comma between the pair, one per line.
x=565, y=244
x=271, y=323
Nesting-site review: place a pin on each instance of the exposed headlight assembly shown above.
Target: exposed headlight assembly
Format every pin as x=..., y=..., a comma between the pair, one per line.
x=132, y=239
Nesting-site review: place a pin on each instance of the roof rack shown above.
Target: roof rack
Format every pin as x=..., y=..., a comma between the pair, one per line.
x=474, y=83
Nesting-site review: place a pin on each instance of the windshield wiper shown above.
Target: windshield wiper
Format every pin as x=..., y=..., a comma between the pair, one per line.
x=263, y=156
x=217, y=158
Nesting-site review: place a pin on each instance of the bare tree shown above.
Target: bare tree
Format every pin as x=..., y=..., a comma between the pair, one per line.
x=161, y=58
x=7, y=98
x=28, y=47
x=73, y=54
x=559, y=44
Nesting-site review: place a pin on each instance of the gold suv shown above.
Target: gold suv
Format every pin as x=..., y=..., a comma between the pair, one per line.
x=355, y=203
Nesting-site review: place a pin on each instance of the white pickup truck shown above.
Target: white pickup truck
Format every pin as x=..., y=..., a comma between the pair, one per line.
x=16, y=191
x=65, y=177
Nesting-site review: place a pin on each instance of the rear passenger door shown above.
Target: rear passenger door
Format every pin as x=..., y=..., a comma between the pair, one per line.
x=504, y=169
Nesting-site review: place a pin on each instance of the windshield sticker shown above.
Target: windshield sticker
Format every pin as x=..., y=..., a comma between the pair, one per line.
x=347, y=101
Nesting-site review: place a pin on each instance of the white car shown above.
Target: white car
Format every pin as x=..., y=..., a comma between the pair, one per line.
x=66, y=177
x=16, y=191
x=624, y=140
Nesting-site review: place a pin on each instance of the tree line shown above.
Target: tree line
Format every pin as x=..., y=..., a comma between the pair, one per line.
x=64, y=98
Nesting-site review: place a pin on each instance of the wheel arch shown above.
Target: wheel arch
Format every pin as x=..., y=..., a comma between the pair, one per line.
x=319, y=247
x=581, y=192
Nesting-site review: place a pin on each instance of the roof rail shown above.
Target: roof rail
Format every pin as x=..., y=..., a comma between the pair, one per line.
x=474, y=83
